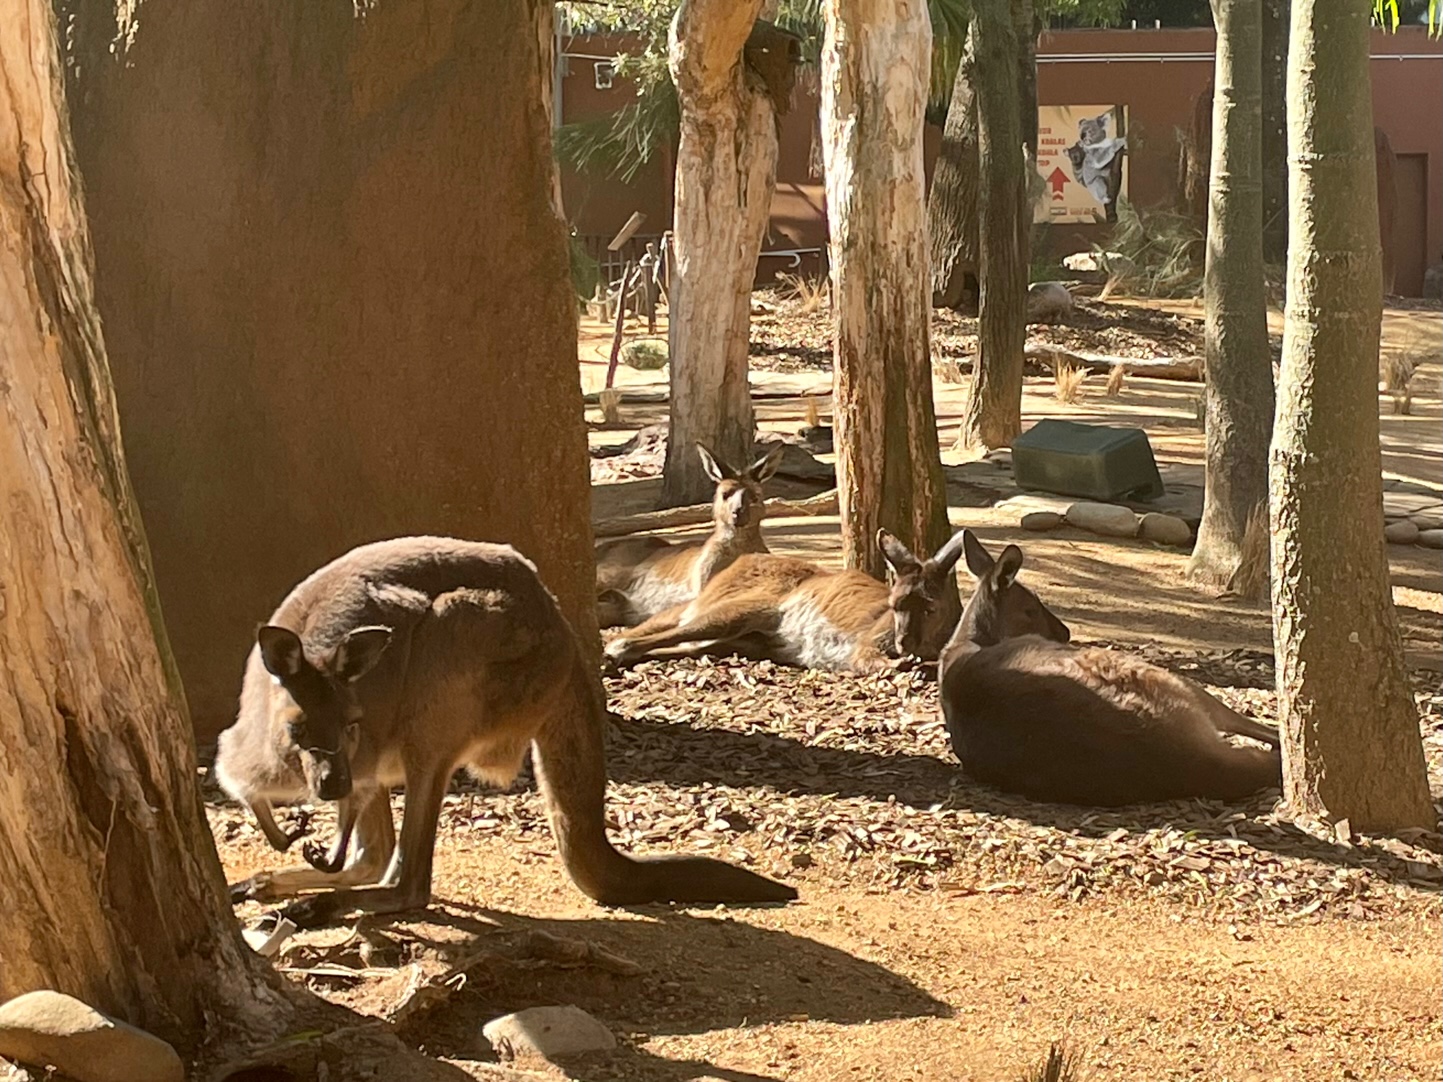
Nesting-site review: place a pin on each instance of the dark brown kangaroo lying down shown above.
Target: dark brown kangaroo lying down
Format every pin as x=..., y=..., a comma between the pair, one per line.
x=1033, y=715
x=399, y=663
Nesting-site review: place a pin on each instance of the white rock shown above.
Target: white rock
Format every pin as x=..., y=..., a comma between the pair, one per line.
x=1428, y=520
x=1431, y=539
x=1164, y=529
x=50, y=1029
x=1048, y=302
x=1080, y=261
x=1041, y=520
x=548, y=1032
x=1108, y=519
x=1402, y=532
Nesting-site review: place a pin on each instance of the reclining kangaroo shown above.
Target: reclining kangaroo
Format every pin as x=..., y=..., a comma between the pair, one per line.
x=1081, y=725
x=400, y=662
x=638, y=577
x=796, y=613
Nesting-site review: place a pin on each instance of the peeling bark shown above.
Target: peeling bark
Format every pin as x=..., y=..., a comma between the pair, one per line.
x=109, y=880
x=875, y=70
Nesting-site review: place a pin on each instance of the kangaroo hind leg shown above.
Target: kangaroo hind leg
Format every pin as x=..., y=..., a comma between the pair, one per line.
x=710, y=628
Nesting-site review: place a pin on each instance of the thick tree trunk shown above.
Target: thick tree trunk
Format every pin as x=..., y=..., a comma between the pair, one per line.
x=875, y=70
x=109, y=880
x=993, y=414
x=1351, y=748
x=1275, y=130
x=952, y=202
x=336, y=296
x=1238, y=395
x=726, y=164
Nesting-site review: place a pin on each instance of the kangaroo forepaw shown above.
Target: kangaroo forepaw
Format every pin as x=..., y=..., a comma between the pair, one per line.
x=319, y=859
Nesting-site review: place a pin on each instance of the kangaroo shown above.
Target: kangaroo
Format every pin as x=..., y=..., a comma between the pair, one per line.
x=638, y=577
x=1033, y=715
x=793, y=612
x=398, y=663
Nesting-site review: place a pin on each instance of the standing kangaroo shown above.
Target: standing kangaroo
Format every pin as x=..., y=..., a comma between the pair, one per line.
x=400, y=662
x=638, y=577
x=794, y=612
x=1033, y=715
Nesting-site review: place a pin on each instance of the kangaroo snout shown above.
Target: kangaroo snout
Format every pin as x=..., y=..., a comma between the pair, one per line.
x=332, y=778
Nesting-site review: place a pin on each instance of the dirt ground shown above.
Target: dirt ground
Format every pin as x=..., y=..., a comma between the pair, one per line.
x=944, y=931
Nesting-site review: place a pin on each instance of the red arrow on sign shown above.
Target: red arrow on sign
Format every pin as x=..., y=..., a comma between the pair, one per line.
x=1057, y=178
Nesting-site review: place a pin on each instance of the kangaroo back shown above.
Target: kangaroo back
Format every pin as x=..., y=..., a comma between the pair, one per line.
x=1033, y=715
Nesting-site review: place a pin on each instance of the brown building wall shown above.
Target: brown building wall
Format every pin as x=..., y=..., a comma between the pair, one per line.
x=1155, y=74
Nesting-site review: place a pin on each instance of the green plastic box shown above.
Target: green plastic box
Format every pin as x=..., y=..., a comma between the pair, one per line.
x=1099, y=462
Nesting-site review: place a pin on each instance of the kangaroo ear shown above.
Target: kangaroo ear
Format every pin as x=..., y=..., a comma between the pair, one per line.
x=948, y=554
x=979, y=563
x=359, y=651
x=709, y=463
x=898, y=556
x=762, y=469
x=281, y=651
x=1008, y=564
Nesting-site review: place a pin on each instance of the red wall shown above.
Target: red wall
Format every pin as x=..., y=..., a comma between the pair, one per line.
x=1156, y=74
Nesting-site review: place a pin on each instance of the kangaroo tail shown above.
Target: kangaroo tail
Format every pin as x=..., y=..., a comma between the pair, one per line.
x=571, y=767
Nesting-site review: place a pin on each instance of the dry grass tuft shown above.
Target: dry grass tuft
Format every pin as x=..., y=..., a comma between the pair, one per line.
x=1067, y=381
x=1397, y=372
x=949, y=371
x=610, y=401
x=813, y=414
x=1110, y=286
x=809, y=293
x=1251, y=580
x=1061, y=1065
x=1115, y=380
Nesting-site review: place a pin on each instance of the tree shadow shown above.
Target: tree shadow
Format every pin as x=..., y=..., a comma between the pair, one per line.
x=677, y=754
x=699, y=973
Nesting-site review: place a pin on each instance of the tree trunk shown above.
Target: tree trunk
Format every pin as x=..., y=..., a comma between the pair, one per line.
x=726, y=164
x=109, y=880
x=993, y=414
x=1194, y=160
x=952, y=202
x=1238, y=394
x=875, y=71
x=336, y=297
x=1275, y=130
x=1351, y=748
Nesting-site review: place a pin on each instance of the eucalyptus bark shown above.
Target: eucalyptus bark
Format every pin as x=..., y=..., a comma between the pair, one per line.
x=875, y=70
x=1351, y=746
x=1238, y=394
x=109, y=880
x=726, y=164
x=992, y=416
x=952, y=201
x=300, y=217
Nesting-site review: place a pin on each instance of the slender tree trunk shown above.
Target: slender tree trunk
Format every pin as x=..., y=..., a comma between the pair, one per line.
x=875, y=69
x=726, y=166
x=337, y=299
x=952, y=202
x=1351, y=748
x=1238, y=395
x=109, y=880
x=993, y=414
x=1275, y=130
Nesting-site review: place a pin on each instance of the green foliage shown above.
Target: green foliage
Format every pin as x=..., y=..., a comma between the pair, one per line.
x=585, y=271
x=1389, y=14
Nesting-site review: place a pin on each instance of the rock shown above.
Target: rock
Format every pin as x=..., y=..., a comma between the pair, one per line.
x=1108, y=519
x=1048, y=302
x=1431, y=539
x=548, y=1032
x=1428, y=520
x=1082, y=262
x=1164, y=529
x=647, y=355
x=1402, y=532
x=50, y=1029
x=1028, y=502
x=1041, y=520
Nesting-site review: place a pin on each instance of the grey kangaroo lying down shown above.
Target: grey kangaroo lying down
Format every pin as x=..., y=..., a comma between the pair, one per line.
x=399, y=663
x=1033, y=715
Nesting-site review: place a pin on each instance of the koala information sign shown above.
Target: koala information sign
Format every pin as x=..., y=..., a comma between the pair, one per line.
x=1082, y=158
